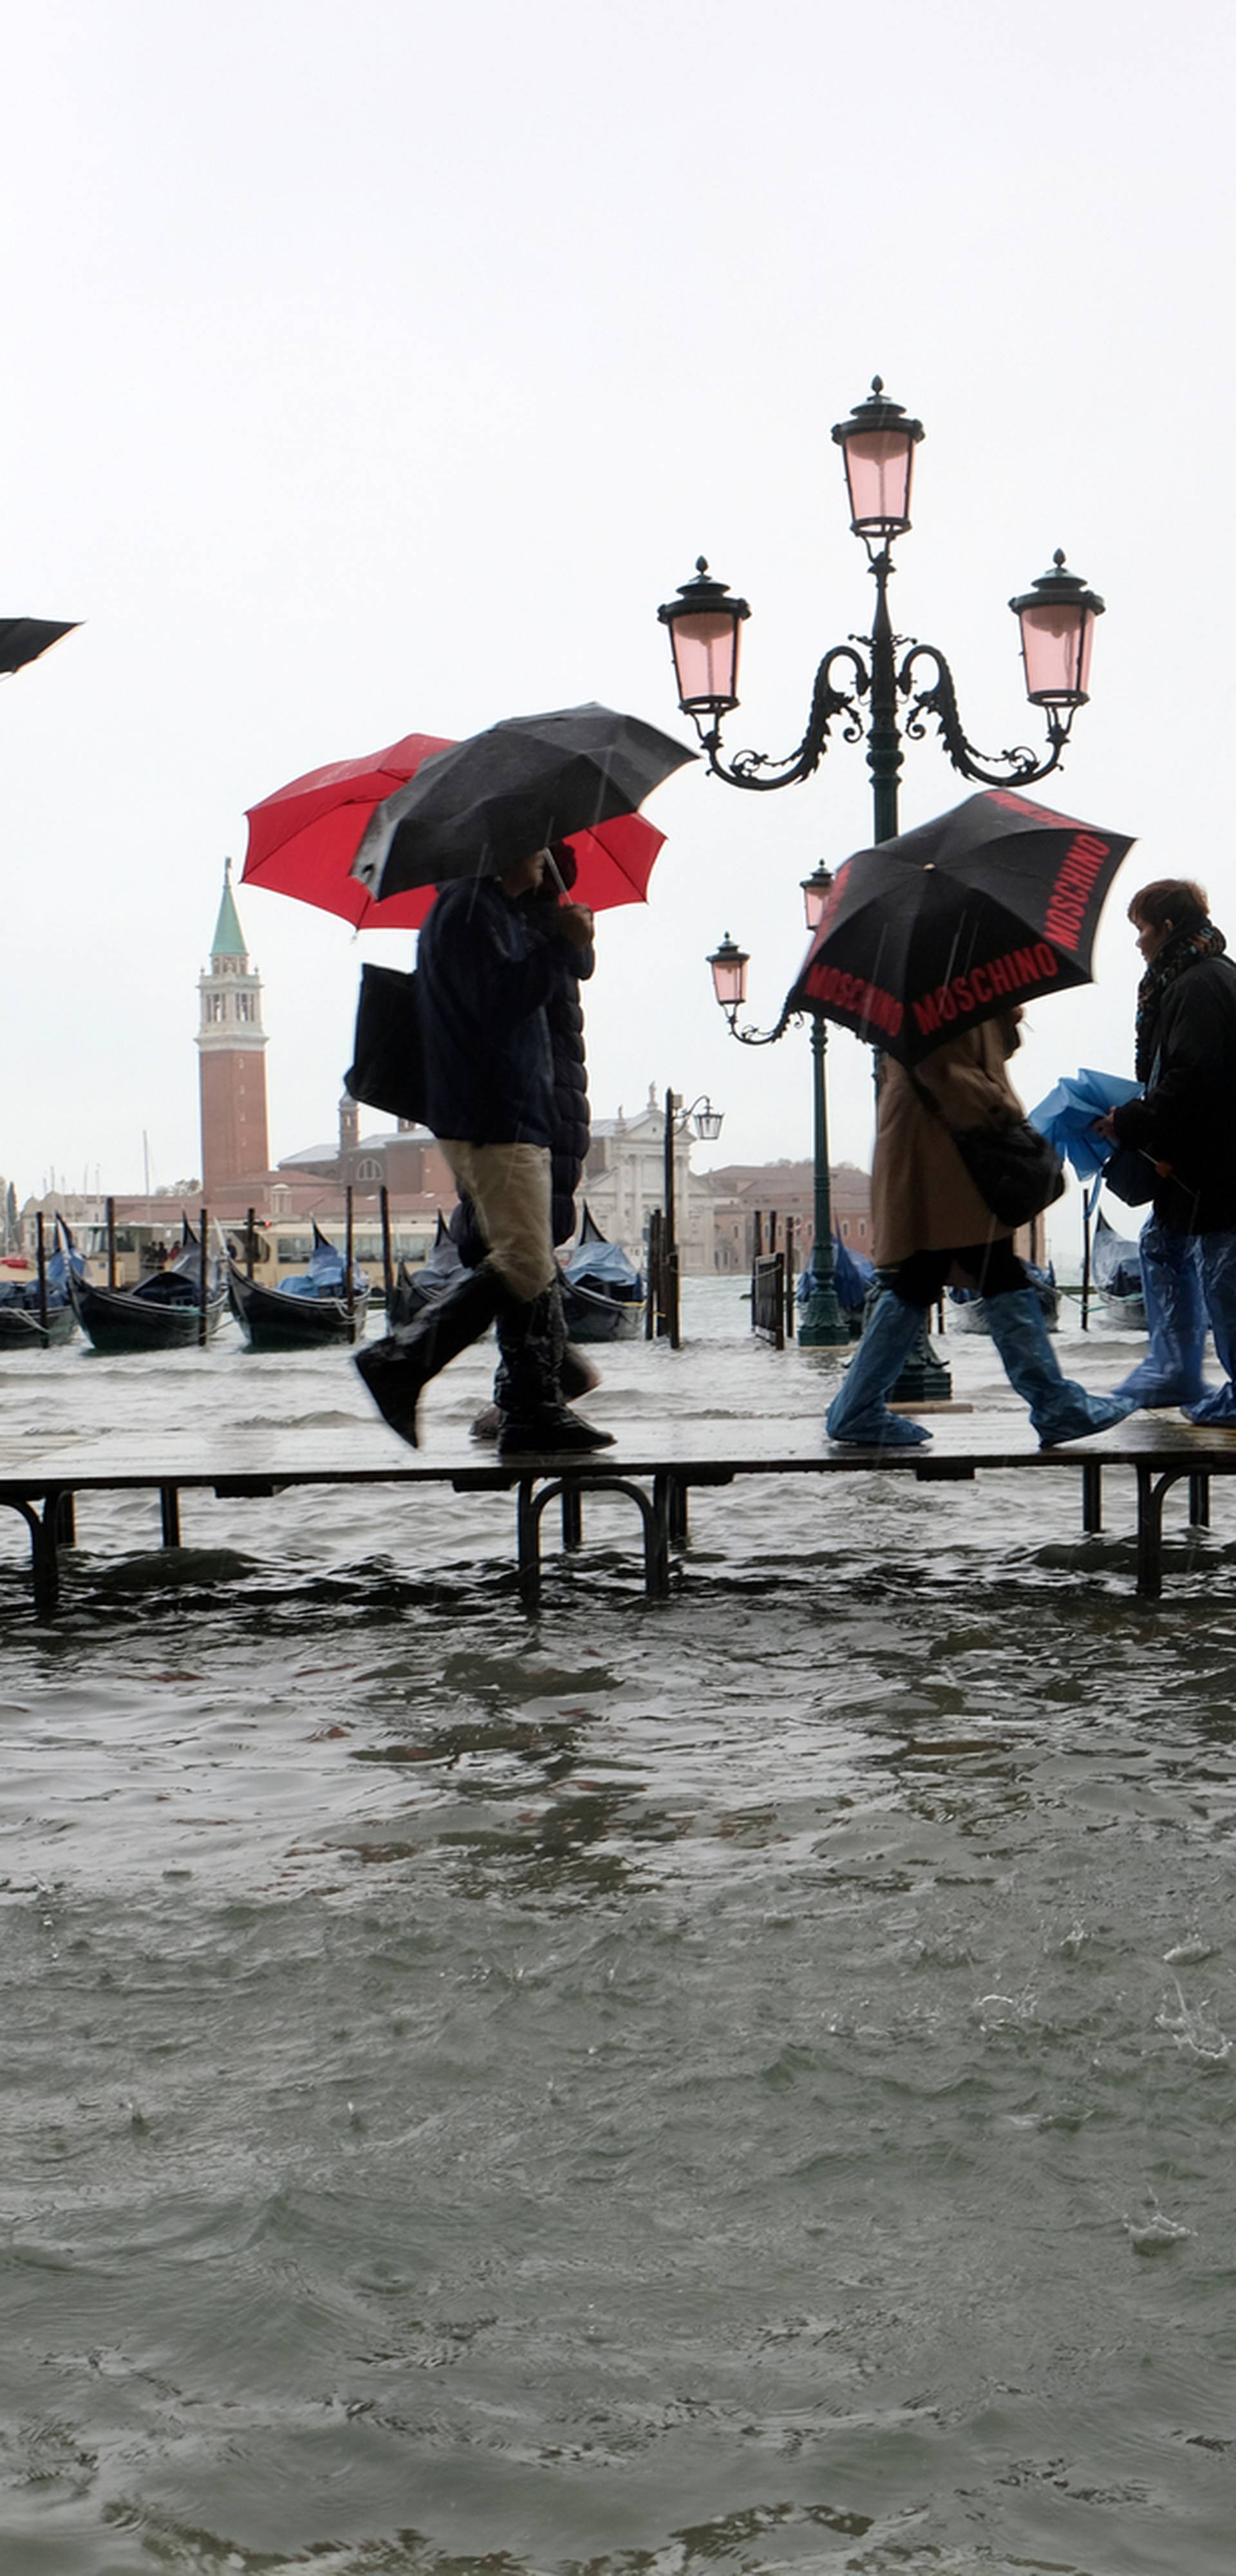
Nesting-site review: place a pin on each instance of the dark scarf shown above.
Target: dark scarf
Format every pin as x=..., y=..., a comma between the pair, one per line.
x=1185, y=948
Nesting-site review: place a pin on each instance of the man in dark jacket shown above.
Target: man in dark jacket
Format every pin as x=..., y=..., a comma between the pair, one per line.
x=489, y=970
x=568, y=1146
x=1184, y=1125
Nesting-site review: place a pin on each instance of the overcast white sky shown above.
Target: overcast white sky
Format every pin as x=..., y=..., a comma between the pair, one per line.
x=374, y=366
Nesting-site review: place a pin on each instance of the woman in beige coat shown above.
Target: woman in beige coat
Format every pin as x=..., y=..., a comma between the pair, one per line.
x=931, y=1226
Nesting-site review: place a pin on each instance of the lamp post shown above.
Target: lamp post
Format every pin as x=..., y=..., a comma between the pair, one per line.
x=704, y=1122
x=864, y=687
x=821, y=1325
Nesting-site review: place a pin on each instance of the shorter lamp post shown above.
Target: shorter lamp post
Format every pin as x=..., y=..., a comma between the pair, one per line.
x=703, y=1121
x=821, y=1326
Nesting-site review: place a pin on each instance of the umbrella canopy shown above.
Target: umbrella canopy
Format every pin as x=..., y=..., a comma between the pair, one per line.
x=22, y=639
x=474, y=810
x=990, y=905
x=304, y=838
x=1068, y=1113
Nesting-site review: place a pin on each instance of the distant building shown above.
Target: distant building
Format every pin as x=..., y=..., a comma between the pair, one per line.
x=405, y=1159
x=624, y=1180
x=786, y=1190
x=232, y=1057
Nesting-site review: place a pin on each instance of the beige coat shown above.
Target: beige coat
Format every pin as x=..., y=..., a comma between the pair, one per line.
x=922, y=1197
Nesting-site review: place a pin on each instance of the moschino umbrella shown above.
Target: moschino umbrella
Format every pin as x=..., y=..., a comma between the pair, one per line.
x=304, y=837
x=531, y=780
x=992, y=904
x=22, y=639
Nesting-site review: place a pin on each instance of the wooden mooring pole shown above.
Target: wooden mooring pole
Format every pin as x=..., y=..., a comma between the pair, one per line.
x=203, y=1277
x=388, y=1258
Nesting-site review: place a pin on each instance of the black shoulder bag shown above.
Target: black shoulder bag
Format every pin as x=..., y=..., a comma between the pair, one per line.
x=387, y=1069
x=1017, y=1172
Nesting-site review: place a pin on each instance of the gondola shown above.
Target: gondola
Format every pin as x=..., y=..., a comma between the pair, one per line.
x=162, y=1313
x=602, y=1292
x=1116, y=1272
x=852, y=1276
x=967, y=1312
x=26, y=1323
x=304, y=1312
x=416, y=1289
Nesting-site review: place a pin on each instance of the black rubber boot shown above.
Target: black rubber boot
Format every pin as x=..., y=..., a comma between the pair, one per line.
x=576, y=1377
x=533, y=1343
x=395, y=1370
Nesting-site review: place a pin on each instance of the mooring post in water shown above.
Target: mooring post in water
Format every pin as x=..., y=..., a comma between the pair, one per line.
x=388, y=1258
x=670, y=1326
x=347, y=1252
x=203, y=1278
x=111, y=1243
x=41, y=1258
x=250, y=1220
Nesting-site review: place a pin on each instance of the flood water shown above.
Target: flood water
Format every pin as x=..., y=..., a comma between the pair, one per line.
x=739, y=2084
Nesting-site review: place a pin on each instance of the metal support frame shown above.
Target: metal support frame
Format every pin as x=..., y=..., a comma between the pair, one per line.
x=46, y=1529
x=1153, y=1486
x=653, y=1509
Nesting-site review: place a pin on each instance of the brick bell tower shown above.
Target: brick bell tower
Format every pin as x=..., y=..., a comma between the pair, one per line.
x=232, y=1045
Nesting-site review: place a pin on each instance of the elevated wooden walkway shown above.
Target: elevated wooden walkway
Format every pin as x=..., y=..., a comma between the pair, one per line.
x=654, y=1466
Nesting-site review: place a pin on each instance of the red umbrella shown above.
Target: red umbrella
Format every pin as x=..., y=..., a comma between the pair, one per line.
x=303, y=839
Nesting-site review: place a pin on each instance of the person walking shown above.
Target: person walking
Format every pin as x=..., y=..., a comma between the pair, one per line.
x=930, y=1225
x=488, y=970
x=572, y=1127
x=1186, y=1058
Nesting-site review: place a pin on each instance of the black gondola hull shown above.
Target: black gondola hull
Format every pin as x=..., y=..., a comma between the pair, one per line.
x=117, y=1320
x=21, y=1330
x=275, y=1321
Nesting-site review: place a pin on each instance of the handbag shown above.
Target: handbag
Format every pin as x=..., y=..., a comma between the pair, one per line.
x=1130, y=1175
x=1016, y=1171
x=388, y=1067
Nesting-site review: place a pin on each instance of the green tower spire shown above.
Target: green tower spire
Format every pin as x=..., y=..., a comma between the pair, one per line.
x=229, y=938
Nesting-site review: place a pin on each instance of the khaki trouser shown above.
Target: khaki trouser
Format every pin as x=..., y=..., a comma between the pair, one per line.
x=509, y=1186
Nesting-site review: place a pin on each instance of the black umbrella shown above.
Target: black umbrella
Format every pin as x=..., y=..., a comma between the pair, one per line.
x=487, y=802
x=993, y=904
x=22, y=639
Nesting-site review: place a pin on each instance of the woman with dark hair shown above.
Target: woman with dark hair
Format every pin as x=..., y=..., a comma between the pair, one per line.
x=1183, y=1124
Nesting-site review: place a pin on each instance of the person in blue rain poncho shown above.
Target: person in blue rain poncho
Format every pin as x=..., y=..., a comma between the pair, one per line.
x=1183, y=1123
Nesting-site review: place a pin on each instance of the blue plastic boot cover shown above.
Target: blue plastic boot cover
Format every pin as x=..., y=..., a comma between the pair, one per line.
x=1218, y=1267
x=858, y=1412
x=1171, y=1372
x=1059, y=1408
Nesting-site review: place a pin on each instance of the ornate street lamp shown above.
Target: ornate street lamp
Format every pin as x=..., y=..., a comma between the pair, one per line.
x=822, y=1325
x=705, y=1122
x=881, y=688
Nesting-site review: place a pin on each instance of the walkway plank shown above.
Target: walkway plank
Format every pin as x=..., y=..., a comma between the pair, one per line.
x=654, y=1465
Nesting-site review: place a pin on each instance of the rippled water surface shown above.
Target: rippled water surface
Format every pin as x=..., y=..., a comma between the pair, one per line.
x=739, y=2084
